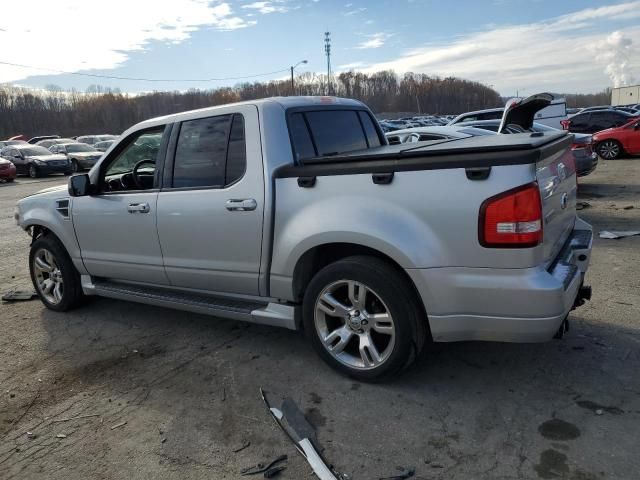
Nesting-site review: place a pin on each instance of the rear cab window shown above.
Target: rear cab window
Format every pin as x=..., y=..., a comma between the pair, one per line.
x=325, y=133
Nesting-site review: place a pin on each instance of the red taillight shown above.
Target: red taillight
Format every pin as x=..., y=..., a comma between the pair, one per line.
x=512, y=219
x=565, y=124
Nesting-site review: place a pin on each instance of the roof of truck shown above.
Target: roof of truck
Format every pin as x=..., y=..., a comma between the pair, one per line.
x=283, y=102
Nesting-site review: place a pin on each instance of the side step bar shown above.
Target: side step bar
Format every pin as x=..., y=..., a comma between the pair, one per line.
x=253, y=311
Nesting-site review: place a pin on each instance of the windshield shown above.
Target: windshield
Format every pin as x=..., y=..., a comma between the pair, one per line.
x=35, y=151
x=80, y=147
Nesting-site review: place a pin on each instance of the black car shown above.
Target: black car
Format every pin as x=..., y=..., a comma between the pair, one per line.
x=81, y=155
x=35, y=161
x=594, y=121
x=582, y=147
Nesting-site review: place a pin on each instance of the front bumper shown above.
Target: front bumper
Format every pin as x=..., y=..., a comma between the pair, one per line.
x=47, y=168
x=508, y=305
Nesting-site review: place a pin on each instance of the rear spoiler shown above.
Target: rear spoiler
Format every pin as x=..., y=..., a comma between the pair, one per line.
x=521, y=111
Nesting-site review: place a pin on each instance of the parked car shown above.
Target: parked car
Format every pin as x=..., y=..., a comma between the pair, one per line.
x=7, y=170
x=91, y=139
x=586, y=160
x=103, y=146
x=35, y=140
x=6, y=143
x=613, y=142
x=424, y=134
x=54, y=141
x=631, y=110
x=594, y=121
x=294, y=212
x=35, y=161
x=81, y=155
x=552, y=115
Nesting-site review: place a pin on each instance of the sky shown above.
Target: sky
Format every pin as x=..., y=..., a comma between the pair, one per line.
x=516, y=46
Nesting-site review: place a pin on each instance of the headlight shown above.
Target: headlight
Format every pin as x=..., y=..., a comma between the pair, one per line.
x=40, y=162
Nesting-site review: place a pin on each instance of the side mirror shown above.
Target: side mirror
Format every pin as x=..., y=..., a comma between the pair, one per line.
x=79, y=185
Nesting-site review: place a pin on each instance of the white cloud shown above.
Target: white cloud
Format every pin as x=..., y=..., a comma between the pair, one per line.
x=352, y=65
x=74, y=35
x=375, y=40
x=564, y=53
x=266, y=7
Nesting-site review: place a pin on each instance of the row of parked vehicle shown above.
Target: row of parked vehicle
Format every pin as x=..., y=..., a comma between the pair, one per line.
x=603, y=130
x=49, y=154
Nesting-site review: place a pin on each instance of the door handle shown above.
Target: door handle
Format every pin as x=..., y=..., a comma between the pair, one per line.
x=138, y=208
x=241, y=205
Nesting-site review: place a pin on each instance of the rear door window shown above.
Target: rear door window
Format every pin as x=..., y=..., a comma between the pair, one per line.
x=201, y=152
x=210, y=152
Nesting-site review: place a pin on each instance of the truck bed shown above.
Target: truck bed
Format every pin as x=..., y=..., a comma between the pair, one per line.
x=473, y=152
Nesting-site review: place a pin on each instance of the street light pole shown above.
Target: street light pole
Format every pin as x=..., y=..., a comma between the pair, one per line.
x=293, y=85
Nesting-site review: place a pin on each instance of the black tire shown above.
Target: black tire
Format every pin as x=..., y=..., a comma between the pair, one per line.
x=609, y=149
x=33, y=171
x=395, y=293
x=75, y=168
x=72, y=295
x=9, y=180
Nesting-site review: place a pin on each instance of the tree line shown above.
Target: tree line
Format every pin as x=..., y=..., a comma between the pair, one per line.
x=101, y=110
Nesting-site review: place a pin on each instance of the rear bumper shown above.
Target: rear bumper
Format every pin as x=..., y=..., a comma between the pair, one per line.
x=586, y=164
x=8, y=173
x=508, y=305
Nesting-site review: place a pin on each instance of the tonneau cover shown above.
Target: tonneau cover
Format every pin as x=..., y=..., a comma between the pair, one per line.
x=480, y=144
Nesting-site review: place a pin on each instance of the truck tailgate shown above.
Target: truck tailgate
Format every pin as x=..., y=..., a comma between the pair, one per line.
x=556, y=176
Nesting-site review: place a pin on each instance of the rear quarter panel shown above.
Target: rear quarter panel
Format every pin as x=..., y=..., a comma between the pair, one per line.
x=423, y=219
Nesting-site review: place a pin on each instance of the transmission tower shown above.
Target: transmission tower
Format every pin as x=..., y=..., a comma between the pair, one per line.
x=327, y=51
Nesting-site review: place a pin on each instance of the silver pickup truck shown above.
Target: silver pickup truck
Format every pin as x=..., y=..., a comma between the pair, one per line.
x=294, y=212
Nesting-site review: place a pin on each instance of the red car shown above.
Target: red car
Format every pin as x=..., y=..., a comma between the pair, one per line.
x=612, y=142
x=7, y=170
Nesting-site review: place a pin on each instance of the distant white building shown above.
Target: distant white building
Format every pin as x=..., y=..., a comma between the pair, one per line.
x=625, y=95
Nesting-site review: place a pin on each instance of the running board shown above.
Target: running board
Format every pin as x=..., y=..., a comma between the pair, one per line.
x=253, y=311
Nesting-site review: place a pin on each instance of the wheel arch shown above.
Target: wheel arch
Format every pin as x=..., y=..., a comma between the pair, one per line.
x=319, y=256
x=38, y=227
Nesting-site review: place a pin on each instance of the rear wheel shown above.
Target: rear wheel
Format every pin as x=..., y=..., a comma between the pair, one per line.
x=363, y=319
x=54, y=277
x=9, y=180
x=609, y=149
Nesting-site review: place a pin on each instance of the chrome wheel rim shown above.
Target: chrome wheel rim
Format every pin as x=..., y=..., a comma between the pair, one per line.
x=48, y=276
x=74, y=166
x=609, y=150
x=354, y=325
x=32, y=171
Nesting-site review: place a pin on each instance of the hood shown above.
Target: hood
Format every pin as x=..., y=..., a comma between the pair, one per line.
x=53, y=192
x=47, y=158
x=522, y=111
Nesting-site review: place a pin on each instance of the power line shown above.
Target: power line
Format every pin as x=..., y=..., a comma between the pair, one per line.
x=114, y=77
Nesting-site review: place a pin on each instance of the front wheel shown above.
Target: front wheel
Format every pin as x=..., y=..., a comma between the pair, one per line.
x=362, y=317
x=33, y=171
x=75, y=168
x=54, y=277
x=609, y=149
